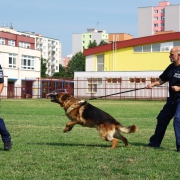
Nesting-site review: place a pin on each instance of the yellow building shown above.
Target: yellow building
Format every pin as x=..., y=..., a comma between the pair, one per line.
x=125, y=64
x=138, y=54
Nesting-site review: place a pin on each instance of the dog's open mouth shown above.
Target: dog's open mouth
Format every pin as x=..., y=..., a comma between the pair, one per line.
x=54, y=98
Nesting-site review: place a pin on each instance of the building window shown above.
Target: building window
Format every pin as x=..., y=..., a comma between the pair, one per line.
x=113, y=80
x=155, y=18
x=100, y=62
x=11, y=42
x=147, y=48
x=12, y=60
x=155, y=47
x=89, y=36
x=161, y=47
x=137, y=80
x=24, y=45
x=162, y=10
x=92, y=88
x=131, y=80
x=162, y=17
x=162, y=24
x=27, y=62
x=94, y=80
x=155, y=25
x=155, y=11
x=138, y=49
x=92, y=84
x=154, y=79
x=165, y=49
x=176, y=43
x=2, y=41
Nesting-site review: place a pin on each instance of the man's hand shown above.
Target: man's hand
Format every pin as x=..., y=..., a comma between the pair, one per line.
x=156, y=83
x=175, y=88
x=149, y=86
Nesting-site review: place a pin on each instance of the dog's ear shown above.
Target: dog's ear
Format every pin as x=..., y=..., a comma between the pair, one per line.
x=65, y=97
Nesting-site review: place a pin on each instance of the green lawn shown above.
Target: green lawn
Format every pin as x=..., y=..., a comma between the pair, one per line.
x=42, y=151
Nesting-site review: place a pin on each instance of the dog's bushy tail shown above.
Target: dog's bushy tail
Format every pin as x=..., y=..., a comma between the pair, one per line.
x=129, y=129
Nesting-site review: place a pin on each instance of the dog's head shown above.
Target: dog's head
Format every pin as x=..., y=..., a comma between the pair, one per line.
x=60, y=98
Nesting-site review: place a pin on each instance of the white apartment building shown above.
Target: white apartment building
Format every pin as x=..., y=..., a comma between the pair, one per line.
x=50, y=50
x=164, y=17
x=81, y=41
x=20, y=62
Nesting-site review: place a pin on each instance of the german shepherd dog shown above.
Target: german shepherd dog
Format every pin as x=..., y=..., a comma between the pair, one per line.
x=83, y=113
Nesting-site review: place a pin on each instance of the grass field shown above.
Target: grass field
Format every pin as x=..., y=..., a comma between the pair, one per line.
x=42, y=151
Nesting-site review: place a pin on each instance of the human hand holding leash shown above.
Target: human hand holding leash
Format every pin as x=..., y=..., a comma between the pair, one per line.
x=156, y=83
x=149, y=86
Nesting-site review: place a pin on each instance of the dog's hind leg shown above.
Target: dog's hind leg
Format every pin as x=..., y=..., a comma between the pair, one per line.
x=107, y=133
x=122, y=138
x=114, y=143
x=70, y=125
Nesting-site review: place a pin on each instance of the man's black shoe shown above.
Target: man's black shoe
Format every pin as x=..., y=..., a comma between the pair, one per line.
x=7, y=145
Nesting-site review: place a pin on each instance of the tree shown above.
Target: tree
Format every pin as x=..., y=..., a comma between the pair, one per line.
x=92, y=44
x=77, y=63
x=102, y=42
x=62, y=72
x=43, y=67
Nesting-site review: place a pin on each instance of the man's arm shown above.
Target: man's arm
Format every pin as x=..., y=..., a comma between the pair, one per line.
x=1, y=87
x=156, y=83
x=175, y=88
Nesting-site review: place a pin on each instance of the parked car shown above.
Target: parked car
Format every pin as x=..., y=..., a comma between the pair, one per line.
x=57, y=91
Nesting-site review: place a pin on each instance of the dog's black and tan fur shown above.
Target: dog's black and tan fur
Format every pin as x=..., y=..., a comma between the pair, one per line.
x=83, y=113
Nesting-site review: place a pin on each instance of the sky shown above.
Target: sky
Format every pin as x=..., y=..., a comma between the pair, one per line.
x=59, y=19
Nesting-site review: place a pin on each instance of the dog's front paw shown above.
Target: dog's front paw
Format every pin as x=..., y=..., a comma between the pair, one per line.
x=65, y=130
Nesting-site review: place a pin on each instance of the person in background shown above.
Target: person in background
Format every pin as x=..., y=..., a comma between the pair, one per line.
x=172, y=107
x=6, y=138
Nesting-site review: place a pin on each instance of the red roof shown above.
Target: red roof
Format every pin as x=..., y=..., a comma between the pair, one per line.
x=134, y=42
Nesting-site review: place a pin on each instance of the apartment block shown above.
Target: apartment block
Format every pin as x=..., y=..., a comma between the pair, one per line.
x=50, y=50
x=81, y=41
x=20, y=61
x=64, y=61
x=164, y=17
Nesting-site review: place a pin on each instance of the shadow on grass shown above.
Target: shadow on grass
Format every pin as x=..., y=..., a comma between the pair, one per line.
x=98, y=145
x=146, y=145
x=72, y=144
x=89, y=145
x=137, y=144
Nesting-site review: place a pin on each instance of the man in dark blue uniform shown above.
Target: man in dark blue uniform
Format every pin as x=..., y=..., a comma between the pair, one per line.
x=6, y=138
x=172, y=107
